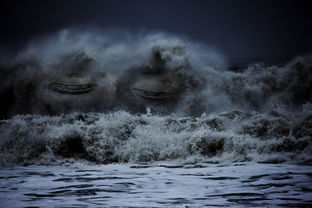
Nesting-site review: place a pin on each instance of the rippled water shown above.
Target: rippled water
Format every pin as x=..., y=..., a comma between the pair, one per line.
x=246, y=184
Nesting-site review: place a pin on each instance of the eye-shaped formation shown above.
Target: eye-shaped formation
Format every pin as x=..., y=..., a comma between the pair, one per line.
x=75, y=67
x=138, y=87
x=142, y=87
x=77, y=82
x=71, y=88
x=154, y=95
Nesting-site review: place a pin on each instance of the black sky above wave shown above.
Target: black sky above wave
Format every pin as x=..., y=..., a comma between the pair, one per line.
x=239, y=29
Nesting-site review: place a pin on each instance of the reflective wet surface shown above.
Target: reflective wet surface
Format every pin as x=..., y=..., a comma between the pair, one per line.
x=158, y=185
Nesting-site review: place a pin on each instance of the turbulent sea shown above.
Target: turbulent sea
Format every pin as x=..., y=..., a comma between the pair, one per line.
x=234, y=138
x=231, y=159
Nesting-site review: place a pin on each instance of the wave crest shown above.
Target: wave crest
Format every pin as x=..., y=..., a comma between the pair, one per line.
x=124, y=137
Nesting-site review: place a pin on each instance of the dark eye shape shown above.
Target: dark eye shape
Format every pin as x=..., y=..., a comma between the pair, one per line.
x=71, y=88
x=154, y=95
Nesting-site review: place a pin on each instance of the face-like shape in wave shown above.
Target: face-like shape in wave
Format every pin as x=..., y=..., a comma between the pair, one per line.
x=152, y=87
x=77, y=83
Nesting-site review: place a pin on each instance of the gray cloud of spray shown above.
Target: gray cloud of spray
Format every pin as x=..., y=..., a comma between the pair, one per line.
x=107, y=57
x=260, y=113
x=112, y=53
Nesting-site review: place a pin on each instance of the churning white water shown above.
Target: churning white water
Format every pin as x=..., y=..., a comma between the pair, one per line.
x=124, y=137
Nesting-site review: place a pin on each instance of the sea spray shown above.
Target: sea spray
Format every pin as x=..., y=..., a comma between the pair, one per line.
x=123, y=137
x=197, y=107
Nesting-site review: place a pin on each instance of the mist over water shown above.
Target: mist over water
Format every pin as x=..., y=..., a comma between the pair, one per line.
x=114, y=61
x=113, y=96
x=159, y=119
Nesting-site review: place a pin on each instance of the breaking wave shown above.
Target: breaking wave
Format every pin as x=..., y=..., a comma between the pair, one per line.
x=117, y=97
x=124, y=137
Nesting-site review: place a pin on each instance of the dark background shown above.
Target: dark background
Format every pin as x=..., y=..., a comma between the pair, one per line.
x=240, y=29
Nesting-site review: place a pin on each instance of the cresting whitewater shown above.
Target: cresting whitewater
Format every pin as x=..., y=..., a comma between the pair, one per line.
x=93, y=119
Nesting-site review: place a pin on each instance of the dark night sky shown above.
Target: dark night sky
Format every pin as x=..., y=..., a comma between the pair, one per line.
x=239, y=29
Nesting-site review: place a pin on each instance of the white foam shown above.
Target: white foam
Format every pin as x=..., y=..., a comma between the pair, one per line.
x=123, y=137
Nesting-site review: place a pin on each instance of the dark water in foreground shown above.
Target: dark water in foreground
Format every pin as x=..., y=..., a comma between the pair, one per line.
x=246, y=184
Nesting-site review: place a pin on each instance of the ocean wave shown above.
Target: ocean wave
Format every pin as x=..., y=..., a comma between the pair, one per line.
x=124, y=137
x=102, y=71
x=104, y=97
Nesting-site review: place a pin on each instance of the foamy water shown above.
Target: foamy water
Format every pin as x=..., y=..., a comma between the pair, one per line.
x=124, y=137
x=231, y=159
